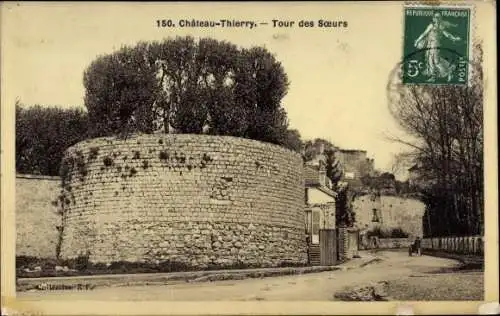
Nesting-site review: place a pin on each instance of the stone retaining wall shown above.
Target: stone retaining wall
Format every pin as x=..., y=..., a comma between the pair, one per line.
x=393, y=212
x=195, y=199
x=36, y=216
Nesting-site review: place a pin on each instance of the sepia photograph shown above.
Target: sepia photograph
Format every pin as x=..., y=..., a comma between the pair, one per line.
x=249, y=158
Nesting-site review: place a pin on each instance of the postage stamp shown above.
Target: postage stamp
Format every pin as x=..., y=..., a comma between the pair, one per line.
x=437, y=42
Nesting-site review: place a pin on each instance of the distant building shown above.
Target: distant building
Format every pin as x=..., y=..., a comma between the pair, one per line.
x=388, y=212
x=413, y=175
x=356, y=165
x=417, y=177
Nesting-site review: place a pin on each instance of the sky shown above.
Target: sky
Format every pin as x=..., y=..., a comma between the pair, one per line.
x=338, y=76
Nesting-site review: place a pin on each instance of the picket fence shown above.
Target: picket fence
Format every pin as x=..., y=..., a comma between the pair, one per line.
x=468, y=245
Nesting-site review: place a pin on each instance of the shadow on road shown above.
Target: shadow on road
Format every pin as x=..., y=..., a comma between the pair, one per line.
x=462, y=268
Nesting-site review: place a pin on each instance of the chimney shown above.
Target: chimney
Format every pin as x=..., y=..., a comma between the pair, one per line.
x=322, y=174
x=321, y=149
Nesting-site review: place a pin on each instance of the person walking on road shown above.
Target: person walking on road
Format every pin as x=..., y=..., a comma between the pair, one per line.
x=418, y=246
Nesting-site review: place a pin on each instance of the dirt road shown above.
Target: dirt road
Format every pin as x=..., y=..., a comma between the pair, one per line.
x=395, y=266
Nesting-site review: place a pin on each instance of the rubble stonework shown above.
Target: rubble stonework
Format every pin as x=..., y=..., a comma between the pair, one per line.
x=36, y=216
x=196, y=199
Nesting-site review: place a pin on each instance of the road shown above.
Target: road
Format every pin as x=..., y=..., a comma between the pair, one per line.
x=395, y=266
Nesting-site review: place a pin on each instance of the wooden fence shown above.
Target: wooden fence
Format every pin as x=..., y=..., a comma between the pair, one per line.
x=328, y=247
x=468, y=245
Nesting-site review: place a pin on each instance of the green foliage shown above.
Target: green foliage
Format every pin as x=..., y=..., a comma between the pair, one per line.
x=334, y=169
x=387, y=233
x=344, y=213
x=204, y=86
x=447, y=123
x=384, y=183
x=83, y=266
x=94, y=153
x=119, y=92
x=398, y=233
x=312, y=149
x=108, y=161
x=81, y=166
x=133, y=171
x=43, y=134
x=163, y=155
x=293, y=140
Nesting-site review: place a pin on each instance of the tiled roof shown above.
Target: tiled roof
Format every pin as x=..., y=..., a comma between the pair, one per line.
x=327, y=191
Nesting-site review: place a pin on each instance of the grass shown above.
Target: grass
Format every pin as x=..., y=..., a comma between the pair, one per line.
x=82, y=266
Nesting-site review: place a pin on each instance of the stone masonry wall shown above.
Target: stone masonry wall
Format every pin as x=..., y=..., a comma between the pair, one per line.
x=405, y=213
x=197, y=199
x=36, y=216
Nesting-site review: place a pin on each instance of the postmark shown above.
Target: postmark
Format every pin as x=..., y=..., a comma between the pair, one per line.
x=397, y=88
x=438, y=39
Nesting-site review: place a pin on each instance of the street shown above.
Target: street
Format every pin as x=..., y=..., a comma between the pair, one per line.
x=409, y=278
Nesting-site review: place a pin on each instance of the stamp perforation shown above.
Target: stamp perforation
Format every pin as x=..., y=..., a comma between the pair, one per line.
x=432, y=63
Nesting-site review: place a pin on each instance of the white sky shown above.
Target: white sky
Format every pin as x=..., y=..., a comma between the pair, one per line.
x=338, y=76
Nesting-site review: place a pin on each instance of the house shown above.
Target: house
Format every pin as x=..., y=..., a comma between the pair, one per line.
x=319, y=200
x=319, y=213
x=419, y=178
x=413, y=175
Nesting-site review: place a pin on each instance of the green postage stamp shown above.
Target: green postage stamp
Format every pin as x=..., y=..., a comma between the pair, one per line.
x=437, y=43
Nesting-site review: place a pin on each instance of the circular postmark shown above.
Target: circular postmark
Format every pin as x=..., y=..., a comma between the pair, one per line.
x=435, y=68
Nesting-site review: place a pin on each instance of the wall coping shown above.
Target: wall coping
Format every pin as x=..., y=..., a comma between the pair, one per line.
x=37, y=176
x=135, y=136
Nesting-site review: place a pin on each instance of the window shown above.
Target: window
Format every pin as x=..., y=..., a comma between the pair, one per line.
x=375, y=217
x=315, y=223
x=308, y=221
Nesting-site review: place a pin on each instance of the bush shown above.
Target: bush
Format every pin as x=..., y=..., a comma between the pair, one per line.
x=398, y=233
x=82, y=266
x=37, y=129
x=387, y=233
x=108, y=161
x=378, y=232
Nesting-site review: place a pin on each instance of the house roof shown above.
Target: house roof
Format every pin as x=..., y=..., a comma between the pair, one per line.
x=352, y=151
x=312, y=180
x=414, y=168
x=327, y=191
